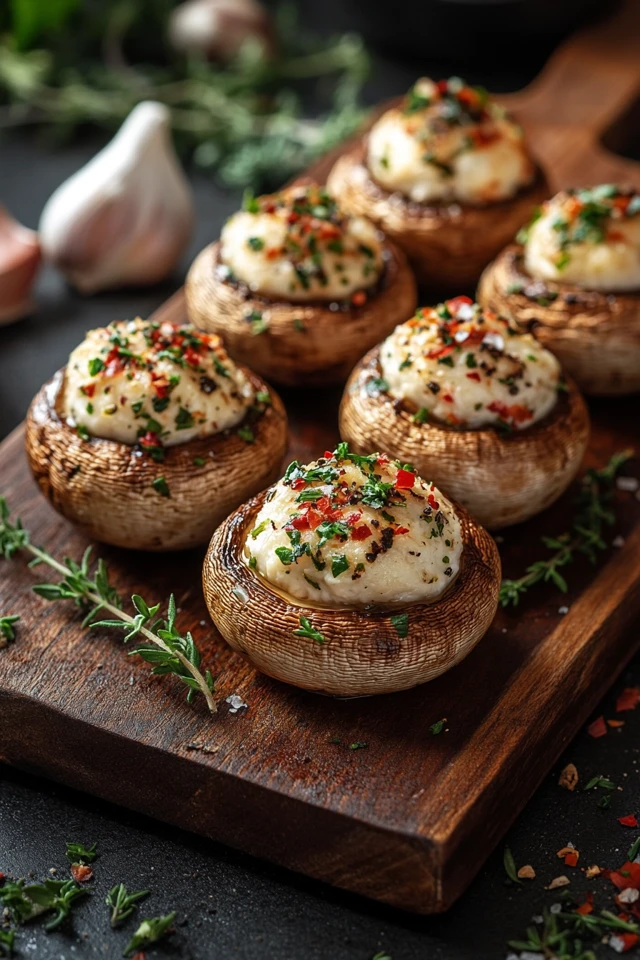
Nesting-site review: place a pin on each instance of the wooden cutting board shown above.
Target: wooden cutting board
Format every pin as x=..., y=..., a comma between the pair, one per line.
x=408, y=817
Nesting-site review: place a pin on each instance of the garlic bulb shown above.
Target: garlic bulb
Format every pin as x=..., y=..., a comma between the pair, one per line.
x=126, y=217
x=218, y=28
x=19, y=261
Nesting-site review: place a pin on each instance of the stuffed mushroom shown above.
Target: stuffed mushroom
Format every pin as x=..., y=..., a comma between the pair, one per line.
x=151, y=434
x=477, y=406
x=297, y=289
x=573, y=278
x=447, y=175
x=352, y=576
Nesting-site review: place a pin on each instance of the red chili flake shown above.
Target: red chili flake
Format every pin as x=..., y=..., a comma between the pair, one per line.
x=192, y=357
x=298, y=484
x=89, y=389
x=629, y=821
x=149, y=440
x=140, y=955
x=314, y=517
x=2, y=879
x=443, y=86
x=628, y=699
x=515, y=412
x=627, y=876
x=81, y=872
x=431, y=500
x=629, y=940
x=359, y=298
x=447, y=397
x=571, y=859
x=273, y=253
x=328, y=454
x=404, y=480
x=586, y=907
x=353, y=518
x=160, y=385
x=455, y=303
x=473, y=376
x=301, y=522
x=598, y=728
x=382, y=460
x=361, y=533
x=400, y=530
x=439, y=352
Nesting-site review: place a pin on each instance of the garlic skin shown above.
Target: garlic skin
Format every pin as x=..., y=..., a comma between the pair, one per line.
x=127, y=216
x=19, y=262
x=219, y=28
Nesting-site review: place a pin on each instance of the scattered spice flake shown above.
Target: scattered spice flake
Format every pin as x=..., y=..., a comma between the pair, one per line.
x=438, y=726
x=623, y=942
x=568, y=779
x=570, y=856
x=628, y=699
x=560, y=881
x=358, y=745
x=81, y=872
x=598, y=728
x=629, y=821
x=615, y=723
x=593, y=871
x=527, y=872
x=627, y=876
x=587, y=907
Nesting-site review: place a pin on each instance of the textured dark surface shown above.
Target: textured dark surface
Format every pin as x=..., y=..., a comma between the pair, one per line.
x=235, y=906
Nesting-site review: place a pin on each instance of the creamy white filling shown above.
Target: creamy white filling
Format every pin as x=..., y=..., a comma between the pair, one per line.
x=123, y=399
x=610, y=264
x=254, y=248
x=399, y=148
x=415, y=566
x=487, y=376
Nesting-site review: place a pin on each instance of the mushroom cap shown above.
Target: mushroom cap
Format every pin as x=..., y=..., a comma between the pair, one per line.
x=448, y=245
x=105, y=487
x=595, y=335
x=363, y=653
x=500, y=479
x=305, y=343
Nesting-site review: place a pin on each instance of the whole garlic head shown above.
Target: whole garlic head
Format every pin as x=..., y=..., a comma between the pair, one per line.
x=19, y=262
x=126, y=217
x=219, y=28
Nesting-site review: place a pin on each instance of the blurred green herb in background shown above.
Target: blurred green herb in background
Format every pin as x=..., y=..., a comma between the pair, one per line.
x=66, y=64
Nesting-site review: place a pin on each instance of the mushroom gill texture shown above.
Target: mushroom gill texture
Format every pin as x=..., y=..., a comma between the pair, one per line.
x=595, y=335
x=297, y=344
x=348, y=651
x=501, y=478
x=117, y=493
x=448, y=244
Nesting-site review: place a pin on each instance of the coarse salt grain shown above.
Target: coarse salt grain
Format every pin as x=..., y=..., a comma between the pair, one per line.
x=236, y=703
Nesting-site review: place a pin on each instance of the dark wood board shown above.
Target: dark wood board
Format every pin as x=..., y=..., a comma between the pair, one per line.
x=407, y=820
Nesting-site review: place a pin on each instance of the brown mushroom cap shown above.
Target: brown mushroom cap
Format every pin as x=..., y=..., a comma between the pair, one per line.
x=363, y=652
x=106, y=487
x=595, y=335
x=305, y=343
x=447, y=245
x=500, y=479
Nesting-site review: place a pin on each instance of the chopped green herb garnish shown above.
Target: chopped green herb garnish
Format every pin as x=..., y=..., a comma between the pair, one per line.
x=161, y=486
x=400, y=623
x=306, y=630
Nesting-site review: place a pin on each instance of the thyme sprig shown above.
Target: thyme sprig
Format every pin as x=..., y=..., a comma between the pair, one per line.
x=593, y=514
x=166, y=649
x=123, y=903
x=150, y=931
x=25, y=903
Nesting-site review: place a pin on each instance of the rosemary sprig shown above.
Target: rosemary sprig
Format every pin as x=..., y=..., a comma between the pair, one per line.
x=7, y=938
x=78, y=853
x=593, y=513
x=166, y=648
x=150, y=931
x=123, y=903
x=560, y=935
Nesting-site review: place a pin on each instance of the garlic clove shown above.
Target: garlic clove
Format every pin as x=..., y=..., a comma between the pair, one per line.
x=127, y=216
x=19, y=262
x=218, y=28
